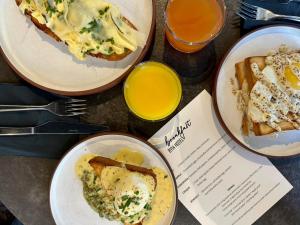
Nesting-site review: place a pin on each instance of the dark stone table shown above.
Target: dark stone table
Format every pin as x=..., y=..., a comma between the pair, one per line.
x=24, y=182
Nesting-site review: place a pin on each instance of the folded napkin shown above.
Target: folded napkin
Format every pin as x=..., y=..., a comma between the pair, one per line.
x=50, y=146
x=292, y=8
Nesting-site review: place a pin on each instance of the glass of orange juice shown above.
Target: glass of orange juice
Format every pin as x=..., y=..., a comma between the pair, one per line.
x=152, y=91
x=192, y=24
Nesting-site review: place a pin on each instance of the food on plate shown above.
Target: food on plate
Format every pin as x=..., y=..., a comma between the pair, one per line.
x=123, y=190
x=269, y=92
x=87, y=27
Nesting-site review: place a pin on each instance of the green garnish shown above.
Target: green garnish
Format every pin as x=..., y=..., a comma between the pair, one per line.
x=89, y=51
x=110, y=50
x=57, y=1
x=136, y=192
x=103, y=11
x=147, y=206
x=91, y=26
x=128, y=202
x=125, y=197
x=50, y=10
x=111, y=40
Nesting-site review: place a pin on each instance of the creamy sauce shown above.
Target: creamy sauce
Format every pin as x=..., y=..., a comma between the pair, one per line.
x=129, y=156
x=87, y=26
x=163, y=197
x=108, y=194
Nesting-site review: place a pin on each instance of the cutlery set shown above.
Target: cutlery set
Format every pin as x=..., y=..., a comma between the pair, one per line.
x=252, y=12
x=62, y=108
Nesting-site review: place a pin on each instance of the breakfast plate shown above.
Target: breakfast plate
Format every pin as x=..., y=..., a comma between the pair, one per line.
x=257, y=43
x=69, y=206
x=47, y=64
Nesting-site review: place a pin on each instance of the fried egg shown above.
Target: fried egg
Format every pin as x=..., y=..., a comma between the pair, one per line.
x=276, y=94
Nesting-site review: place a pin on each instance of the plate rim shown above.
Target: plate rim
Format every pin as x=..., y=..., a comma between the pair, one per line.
x=138, y=138
x=97, y=89
x=214, y=93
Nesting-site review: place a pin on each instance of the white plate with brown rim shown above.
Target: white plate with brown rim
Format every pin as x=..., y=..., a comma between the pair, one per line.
x=67, y=202
x=256, y=43
x=47, y=64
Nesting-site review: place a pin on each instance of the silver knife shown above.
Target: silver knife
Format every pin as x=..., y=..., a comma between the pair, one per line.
x=57, y=128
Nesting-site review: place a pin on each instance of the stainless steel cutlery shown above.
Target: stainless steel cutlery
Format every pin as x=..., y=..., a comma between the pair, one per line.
x=57, y=128
x=62, y=107
x=251, y=12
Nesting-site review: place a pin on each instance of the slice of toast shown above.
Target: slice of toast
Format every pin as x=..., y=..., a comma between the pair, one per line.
x=45, y=29
x=99, y=163
x=245, y=74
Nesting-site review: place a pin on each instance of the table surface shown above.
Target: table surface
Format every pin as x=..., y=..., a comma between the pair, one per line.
x=24, y=182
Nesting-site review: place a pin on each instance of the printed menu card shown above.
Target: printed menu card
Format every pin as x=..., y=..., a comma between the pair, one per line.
x=217, y=180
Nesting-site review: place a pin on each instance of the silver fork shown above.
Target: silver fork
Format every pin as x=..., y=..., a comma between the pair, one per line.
x=283, y=1
x=62, y=107
x=252, y=12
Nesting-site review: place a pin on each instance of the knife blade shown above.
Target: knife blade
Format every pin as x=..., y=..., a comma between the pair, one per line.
x=57, y=128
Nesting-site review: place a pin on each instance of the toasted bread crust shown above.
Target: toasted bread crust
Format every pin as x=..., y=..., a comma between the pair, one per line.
x=99, y=162
x=245, y=74
x=45, y=29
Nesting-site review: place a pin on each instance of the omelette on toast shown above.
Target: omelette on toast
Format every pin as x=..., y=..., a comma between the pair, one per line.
x=87, y=27
x=269, y=92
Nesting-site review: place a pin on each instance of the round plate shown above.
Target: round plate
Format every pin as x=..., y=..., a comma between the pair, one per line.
x=48, y=65
x=257, y=43
x=67, y=203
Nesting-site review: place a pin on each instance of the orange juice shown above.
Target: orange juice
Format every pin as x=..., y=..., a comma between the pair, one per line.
x=192, y=23
x=152, y=91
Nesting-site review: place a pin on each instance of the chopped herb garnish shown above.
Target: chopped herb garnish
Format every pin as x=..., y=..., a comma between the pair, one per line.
x=128, y=202
x=122, y=220
x=147, y=206
x=125, y=212
x=50, y=10
x=110, y=50
x=136, y=192
x=125, y=197
x=111, y=40
x=89, y=51
x=57, y=1
x=166, y=176
x=103, y=11
x=28, y=1
x=91, y=26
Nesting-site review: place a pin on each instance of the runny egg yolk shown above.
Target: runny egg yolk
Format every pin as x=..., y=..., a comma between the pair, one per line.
x=292, y=78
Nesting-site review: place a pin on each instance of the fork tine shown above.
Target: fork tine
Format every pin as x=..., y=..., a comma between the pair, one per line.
x=243, y=8
x=70, y=105
x=74, y=100
x=75, y=109
x=243, y=14
x=254, y=7
x=76, y=114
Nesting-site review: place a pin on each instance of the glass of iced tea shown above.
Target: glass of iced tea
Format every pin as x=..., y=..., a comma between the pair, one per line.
x=192, y=24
